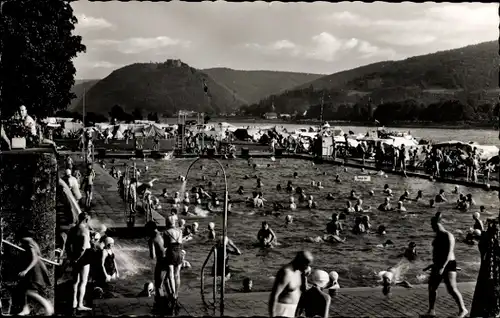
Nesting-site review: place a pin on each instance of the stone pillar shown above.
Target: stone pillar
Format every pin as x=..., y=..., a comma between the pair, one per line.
x=28, y=180
x=486, y=301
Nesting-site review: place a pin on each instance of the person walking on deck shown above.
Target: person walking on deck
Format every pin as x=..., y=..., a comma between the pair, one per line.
x=289, y=284
x=444, y=267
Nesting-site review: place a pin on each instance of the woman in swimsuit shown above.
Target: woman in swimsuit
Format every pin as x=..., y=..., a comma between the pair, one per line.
x=173, y=255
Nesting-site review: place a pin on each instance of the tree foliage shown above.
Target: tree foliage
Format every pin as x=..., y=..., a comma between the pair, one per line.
x=38, y=46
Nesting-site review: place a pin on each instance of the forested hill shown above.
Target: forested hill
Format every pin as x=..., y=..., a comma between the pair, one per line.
x=467, y=75
x=252, y=86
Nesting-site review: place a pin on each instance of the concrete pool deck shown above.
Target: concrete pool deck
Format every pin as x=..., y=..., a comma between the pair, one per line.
x=349, y=302
x=109, y=208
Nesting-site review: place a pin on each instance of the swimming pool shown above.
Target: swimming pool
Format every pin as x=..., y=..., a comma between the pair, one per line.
x=356, y=261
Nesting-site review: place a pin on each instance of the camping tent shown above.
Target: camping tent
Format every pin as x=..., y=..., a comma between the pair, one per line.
x=153, y=131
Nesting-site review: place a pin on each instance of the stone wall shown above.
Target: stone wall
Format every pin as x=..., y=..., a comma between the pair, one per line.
x=28, y=182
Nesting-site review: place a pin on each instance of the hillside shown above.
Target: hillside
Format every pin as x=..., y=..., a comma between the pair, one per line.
x=468, y=73
x=159, y=87
x=252, y=86
x=78, y=89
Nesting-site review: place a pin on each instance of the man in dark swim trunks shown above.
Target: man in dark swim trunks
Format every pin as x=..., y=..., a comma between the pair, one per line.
x=80, y=254
x=266, y=236
x=157, y=251
x=444, y=266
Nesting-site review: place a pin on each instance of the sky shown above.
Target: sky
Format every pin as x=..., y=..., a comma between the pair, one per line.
x=319, y=37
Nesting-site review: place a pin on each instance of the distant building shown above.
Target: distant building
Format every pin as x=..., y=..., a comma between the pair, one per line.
x=271, y=116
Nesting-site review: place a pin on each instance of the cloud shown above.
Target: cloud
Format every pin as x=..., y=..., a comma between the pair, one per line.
x=441, y=22
x=87, y=22
x=324, y=47
x=139, y=45
x=104, y=64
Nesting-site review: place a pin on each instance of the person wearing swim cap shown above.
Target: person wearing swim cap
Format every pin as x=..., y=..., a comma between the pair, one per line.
x=333, y=285
x=211, y=231
x=444, y=267
x=478, y=224
x=105, y=269
x=314, y=302
x=386, y=206
x=289, y=284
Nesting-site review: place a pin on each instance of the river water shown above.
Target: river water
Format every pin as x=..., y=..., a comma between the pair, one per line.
x=356, y=261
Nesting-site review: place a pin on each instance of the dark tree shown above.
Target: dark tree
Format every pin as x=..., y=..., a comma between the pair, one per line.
x=137, y=114
x=37, y=50
x=117, y=113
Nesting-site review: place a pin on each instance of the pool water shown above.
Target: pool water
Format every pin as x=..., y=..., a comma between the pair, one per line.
x=357, y=260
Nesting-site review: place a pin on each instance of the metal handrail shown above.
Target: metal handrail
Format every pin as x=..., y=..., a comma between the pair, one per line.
x=214, y=252
x=224, y=227
x=2, y=241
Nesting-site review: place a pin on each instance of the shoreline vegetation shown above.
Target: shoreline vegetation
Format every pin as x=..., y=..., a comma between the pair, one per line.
x=400, y=124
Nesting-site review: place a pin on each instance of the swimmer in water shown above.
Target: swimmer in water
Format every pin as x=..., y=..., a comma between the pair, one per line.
x=456, y=190
x=259, y=183
x=266, y=236
x=353, y=195
x=381, y=230
x=365, y=220
x=440, y=198
x=330, y=197
x=358, y=207
x=420, y=195
x=371, y=193
x=405, y=196
x=177, y=199
x=319, y=186
x=313, y=184
x=411, y=252
x=289, y=187
x=288, y=220
x=310, y=203
x=387, y=190
x=478, y=224
x=392, y=277
x=278, y=187
x=349, y=209
x=482, y=209
x=186, y=198
x=211, y=231
x=197, y=199
x=164, y=193
x=302, y=197
x=470, y=200
x=334, y=226
x=195, y=227
x=293, y=206
x=400, y=207
x=431, y=203
x=337, y=179
x=295, y=175
x=386, y=206
x=358, y=227
x=240, y=190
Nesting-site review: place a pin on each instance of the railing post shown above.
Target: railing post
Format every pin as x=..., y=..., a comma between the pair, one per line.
x=215, y=277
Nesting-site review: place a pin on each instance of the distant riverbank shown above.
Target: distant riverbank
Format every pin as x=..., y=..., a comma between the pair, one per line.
x=446, y=125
